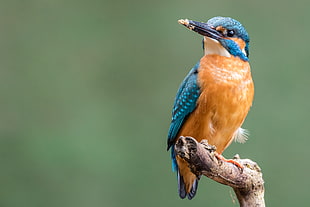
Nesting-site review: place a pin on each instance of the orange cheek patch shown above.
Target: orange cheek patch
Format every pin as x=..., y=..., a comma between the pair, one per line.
x=240, y=42
x=220, y=28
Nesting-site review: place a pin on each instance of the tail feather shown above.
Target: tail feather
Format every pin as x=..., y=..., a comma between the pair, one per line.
x=186, y=187
x=193, y=191
x=182, y=187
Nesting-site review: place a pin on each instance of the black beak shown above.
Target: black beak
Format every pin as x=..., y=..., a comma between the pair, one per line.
x=201, y=28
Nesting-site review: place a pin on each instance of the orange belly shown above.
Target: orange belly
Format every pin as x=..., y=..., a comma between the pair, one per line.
x=227, y=92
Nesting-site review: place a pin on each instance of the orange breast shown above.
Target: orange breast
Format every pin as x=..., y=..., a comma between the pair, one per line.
x=227, y=92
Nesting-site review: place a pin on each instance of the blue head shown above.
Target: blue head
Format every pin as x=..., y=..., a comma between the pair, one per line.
x=222, y=35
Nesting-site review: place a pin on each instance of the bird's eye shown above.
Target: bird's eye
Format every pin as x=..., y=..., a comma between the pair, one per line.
x=230, y=33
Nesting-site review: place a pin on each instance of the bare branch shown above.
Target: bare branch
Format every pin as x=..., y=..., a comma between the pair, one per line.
x=247, y=182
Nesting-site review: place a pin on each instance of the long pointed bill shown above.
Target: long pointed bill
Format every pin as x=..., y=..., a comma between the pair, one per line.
x=201, y=28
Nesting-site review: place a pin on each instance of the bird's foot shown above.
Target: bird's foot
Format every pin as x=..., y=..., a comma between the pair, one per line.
x=220, y=157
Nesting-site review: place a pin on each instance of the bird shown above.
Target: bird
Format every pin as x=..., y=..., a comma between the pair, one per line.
x=215, y=97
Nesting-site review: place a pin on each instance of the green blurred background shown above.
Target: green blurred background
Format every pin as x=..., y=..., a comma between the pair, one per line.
x=87, y=89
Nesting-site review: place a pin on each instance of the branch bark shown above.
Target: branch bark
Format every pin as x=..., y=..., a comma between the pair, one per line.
x=247, y=183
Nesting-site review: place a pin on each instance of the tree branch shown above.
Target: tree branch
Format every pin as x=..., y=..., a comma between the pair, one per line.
x=247, y=183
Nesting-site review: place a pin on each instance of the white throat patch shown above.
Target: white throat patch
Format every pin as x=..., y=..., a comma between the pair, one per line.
x=213, y=47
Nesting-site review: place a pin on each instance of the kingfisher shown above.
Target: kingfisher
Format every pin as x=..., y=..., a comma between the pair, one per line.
x=214, y=98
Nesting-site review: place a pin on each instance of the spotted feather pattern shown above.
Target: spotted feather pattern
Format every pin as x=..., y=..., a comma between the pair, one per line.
x=184, y=104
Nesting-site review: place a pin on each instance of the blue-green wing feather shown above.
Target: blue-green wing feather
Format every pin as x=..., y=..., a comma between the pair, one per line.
x=185, y=102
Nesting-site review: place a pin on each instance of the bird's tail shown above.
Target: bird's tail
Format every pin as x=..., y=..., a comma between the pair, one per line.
x=187, y=181
x=187, y=187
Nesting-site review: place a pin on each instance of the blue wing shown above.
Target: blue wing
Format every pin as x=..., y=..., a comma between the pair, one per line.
x=184, y=104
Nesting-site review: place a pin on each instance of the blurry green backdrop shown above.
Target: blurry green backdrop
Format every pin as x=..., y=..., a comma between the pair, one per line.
x=87, y=89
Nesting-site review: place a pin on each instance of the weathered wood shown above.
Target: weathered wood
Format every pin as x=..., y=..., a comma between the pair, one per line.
x=247, y=182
